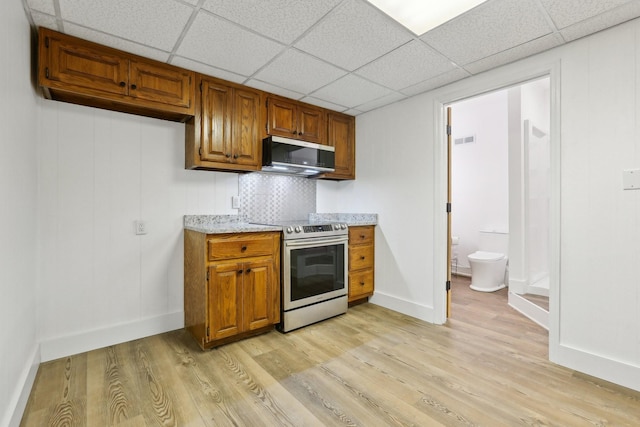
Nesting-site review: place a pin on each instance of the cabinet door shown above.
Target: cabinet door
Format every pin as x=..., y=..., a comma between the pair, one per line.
x=216, y=122
x=312, y=124
x=247, y=138
x=282, y=118
x=160, y=83
x=341, y=135
x=78, y=66
x=258, y=294
x=225, y=300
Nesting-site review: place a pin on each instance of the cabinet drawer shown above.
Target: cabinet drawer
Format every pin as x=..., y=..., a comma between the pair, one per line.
x=360, y=257
x=360, y=284
x=239, y=246
x=361, y=234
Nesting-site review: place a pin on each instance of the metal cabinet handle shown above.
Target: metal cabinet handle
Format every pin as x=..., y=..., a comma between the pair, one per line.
x=227, y=155
x=361, y=257
x=362, y=236
x=235, y=156
x=244, y=248
x=294, y=132
x=134, y=87
x=248, y=270
x=361, y=283
x=122, y=84
x=239, y=271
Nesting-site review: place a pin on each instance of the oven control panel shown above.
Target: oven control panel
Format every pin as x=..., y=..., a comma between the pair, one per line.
x=314, y=230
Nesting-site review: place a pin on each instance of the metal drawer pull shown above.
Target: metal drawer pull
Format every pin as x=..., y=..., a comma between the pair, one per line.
x=248, y=270
x=244, y=248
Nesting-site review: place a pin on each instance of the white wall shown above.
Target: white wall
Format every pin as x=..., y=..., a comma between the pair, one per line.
x=480, y=171
x=18, y=204
x=99, y=171
x=595, y=307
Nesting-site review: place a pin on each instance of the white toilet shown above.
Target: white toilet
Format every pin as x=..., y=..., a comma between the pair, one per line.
x=488, y=265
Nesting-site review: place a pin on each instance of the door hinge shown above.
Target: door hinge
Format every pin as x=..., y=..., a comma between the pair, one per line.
x=207, y=275
x=46, y=72
x=208, y=331
x=448, y=289
x=200, y=154
x=448, y=130
x=448, y=207
x=46, y=42
x=266, y=103
x=200, y=86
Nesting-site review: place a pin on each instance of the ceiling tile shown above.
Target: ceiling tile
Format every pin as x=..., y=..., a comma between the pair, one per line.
x=115, y=42
x=155, y=23
x=283, y=20
x=353, y=112
x=535, y=46
x=409, y=64
x=217, y=42
x=44, y=20
x=274, y=89
x=44, y=6
x=299, y=72
x=438, y=81
x=353, y=34
x=608, y=19
x=207, y=69
x=381, y=102
x=351, y=91
x=323, y=104
x=488, y=29
x=568, y=12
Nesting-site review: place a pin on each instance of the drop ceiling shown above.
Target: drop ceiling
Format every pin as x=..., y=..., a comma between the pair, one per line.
x=345, y=55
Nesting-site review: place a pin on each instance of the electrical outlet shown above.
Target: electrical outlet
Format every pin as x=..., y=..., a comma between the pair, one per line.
x=235, y=202
x=141, y=227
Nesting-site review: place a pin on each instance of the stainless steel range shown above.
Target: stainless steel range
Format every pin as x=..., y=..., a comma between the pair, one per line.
x=314, y=272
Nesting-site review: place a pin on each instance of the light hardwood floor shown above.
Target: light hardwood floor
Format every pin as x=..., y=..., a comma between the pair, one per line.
x=371, y=367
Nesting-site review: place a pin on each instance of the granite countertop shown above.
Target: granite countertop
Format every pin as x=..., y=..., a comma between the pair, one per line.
x=351, y=219
x=218, y=224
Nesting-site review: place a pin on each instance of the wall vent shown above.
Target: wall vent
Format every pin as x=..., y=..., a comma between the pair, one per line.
x=465, y=140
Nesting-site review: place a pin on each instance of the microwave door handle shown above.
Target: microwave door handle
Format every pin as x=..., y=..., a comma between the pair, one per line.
x=314, y=242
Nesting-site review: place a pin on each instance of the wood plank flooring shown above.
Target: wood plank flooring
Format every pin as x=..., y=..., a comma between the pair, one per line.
x=370, y=367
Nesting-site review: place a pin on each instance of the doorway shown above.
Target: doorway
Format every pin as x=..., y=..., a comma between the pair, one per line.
x=500, y=184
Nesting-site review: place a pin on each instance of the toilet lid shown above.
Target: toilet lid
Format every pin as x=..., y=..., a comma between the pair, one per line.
x=486, y=256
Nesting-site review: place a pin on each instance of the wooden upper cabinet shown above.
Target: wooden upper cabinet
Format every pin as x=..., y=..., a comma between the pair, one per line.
x=296, y=120
x=226, y=131
x=82, y=72
x=160, y=83
x=341, y=134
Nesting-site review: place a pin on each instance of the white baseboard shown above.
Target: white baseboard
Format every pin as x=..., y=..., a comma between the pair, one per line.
x=617, y=372
x=90, y=340
x=529, y=309
x=19, y=400
x=403, y=306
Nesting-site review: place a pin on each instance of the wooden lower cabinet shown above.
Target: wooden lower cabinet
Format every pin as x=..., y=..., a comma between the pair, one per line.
x=232, y=285
x=361, y=262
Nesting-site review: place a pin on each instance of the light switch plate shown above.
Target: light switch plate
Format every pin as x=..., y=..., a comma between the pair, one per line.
x=235, y=202
x=631, y=179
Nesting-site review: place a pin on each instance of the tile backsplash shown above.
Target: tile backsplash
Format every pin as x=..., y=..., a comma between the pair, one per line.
x=265, y=198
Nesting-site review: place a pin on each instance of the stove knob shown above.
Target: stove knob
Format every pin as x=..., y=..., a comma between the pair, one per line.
x=336, y=226
x=298, y=229
x=289, y=230
x=343, y=226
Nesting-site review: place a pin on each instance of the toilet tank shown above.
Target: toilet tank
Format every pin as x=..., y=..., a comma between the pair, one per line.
x=494, y=240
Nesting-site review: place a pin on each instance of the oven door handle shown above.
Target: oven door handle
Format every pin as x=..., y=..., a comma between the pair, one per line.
x=314, y=242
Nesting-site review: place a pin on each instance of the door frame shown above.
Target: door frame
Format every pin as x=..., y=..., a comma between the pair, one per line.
x=502, y=78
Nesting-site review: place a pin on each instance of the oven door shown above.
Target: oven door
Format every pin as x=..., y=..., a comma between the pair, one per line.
x=314, y=270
